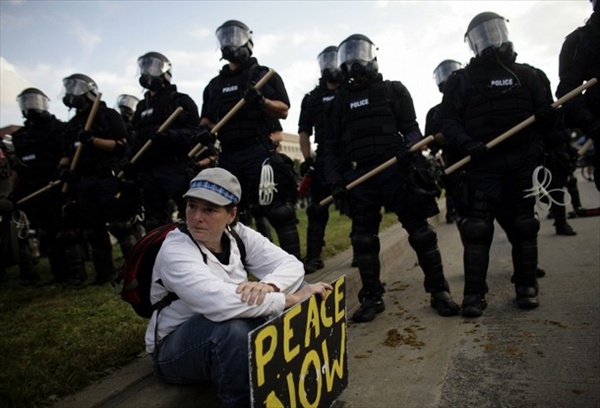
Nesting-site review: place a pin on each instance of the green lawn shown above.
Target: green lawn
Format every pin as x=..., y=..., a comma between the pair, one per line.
x=56, y=340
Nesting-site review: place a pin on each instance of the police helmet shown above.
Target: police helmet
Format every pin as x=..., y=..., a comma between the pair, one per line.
x=235, y=41
x=443, y=71
x=32, y=100
x=486, y=30
x=356, y=57
x=328, y=64
x=127, y=101
x=78, y=90
x=155, y=70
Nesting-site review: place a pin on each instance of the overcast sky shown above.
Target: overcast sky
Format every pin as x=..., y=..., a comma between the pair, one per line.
x=43, y=41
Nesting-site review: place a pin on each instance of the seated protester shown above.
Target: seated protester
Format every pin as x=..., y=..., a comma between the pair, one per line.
x=203, y=335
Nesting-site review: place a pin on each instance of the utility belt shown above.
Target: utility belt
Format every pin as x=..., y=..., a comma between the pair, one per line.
x=236, y=145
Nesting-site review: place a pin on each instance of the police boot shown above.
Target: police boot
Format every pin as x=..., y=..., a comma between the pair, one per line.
x=424, y=242
x=563, y=228
x=370, y=305
x=473, y=305
x=524, y=254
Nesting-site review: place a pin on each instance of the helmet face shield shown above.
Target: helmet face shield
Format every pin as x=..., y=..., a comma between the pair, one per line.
x=356, y=50
x=443, y=71
x=232, y=36
x=33, y=101
x=127, y=101
x=149, y=65
x=78, y=86
x=490, y=33
x=327, y=60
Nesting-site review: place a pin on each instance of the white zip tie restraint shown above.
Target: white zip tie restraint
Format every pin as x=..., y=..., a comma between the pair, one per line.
x=539, y=190
x=266, y=188
x=19, y=218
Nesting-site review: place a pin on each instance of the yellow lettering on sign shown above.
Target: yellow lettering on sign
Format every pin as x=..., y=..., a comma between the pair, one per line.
x=291, y=390
x=336, y=367
x=340, y=312
x=312, y=358
x=267, y=334
x=288, y=333
x=312, y=321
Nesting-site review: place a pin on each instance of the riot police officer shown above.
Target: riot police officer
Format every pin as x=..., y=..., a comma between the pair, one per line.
x=312, y=116
x=433, y=126
x=126, y=105
x=371, y=121
x=492, y=94
x=93, y=185
x=164, y=168
x=38, y=148
x=9, y=251
x=246, y=147
x=579, y=61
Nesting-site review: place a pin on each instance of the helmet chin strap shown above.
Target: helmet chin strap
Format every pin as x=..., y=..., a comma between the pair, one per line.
x=266, y=187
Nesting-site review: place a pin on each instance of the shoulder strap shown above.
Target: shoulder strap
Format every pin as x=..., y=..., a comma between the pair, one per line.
x=240, y=244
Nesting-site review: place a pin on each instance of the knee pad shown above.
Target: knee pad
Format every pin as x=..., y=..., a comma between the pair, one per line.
x=365, y=243
x=281, y=215
x=423, y=238
x=476, y=230
x=526, y=226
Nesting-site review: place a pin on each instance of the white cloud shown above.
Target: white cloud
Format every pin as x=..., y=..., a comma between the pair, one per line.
x=12, y=83
x=87, y=38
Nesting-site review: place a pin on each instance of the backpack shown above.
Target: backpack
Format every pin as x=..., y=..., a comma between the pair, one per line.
x=136, y=273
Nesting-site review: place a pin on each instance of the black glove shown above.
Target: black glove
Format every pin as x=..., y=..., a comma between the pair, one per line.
x=253, y=95
x=476, y=149
x=406, y=157
x=546, y=117
x=339, y=192
x=162, y=138
x=306, y=165
x=126, y=166
x=67, y=176
x=85, y=137
x=204, y=137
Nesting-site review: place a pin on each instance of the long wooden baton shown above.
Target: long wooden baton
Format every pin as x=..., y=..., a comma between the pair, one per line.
x=147, y=145
x=585, y=147
x=233, y=111
x=417, y=146
x=87, y=127
x=524, y=124
x=40, y=191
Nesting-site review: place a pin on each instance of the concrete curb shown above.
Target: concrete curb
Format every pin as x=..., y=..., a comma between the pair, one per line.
x=135, y=385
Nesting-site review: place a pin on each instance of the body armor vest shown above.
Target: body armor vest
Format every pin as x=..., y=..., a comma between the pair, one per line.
x=248, y=126
x=591, y=43
x=497, y=101
x=368, y=122
x=38, y=147
x=320, y=98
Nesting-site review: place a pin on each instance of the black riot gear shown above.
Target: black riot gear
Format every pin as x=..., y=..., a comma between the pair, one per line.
x=79, y=90
x=33, y=104
x=487, y=36
x=235, y=41
x=155, y=70
x=356, y=57
x=328, y=65
x=444, y=70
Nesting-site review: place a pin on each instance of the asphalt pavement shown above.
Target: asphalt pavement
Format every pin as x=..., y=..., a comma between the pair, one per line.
x=411, y=357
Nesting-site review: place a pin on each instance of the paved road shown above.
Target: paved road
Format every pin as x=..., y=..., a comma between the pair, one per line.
x=547, y=357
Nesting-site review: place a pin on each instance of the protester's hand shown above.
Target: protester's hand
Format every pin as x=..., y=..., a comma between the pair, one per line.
x=85, y=137
x=546, y=117
x=253, y=95
x=306, y=165
x=254, y=292
x=320, y=288
x=476, y=149
x=204, y=136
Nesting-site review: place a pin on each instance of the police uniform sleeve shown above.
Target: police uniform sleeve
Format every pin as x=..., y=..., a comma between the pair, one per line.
x=333, y=149
x=305, y=123
x=404, y=111
x=452, y=112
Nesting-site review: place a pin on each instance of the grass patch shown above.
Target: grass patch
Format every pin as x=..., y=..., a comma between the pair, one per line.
x=56, y=340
